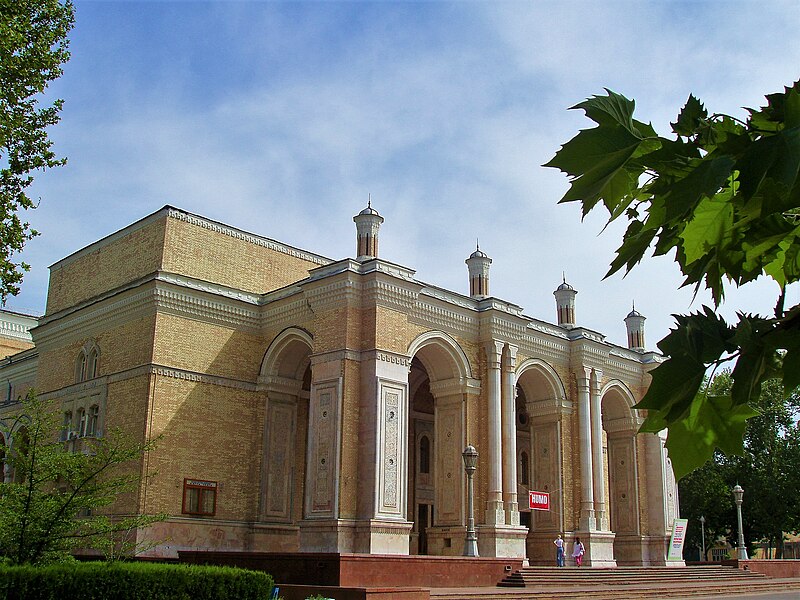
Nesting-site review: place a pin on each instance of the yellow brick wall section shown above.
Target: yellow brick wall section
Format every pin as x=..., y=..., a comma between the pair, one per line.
x=11, y=346
x=126, y=409
x=219, y=258
x=109, y=266
x=126, y=346
x=211, y=433
x=207, y=348
x=348, y=492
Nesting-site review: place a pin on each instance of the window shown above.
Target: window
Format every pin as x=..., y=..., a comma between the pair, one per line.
x=524, y=468
x=424, y=454
x=81, y=422
x=66, y=428
x=80, y=368
x=91, y=425
x=199, y=497
x=92, y=367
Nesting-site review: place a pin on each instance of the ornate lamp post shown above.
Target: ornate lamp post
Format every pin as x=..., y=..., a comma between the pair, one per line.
x=703, y=536
x=738, y=492
x=470, y=456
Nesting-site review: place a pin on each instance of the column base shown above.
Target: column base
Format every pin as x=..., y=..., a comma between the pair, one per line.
x=512, y=514
x=328, y=535
x=495, y=514
x=502, y=541
x=599, y=548
x=383, y=537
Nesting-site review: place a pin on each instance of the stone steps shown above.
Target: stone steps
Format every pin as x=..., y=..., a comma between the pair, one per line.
x=573, y=576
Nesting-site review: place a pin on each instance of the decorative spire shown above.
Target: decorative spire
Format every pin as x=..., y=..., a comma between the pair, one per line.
x=368, y=223
x=634, y=323
x=478, y=267
x=565, y=303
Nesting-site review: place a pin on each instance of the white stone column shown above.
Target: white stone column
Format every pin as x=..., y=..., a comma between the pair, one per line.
x=588, y=521
x=495, y=515
x=597, y=452
x=509, y=394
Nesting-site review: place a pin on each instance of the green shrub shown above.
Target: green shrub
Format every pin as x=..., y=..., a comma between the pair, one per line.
x=134, y=581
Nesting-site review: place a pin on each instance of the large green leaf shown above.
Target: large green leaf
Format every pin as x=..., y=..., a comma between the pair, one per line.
x=710, y=227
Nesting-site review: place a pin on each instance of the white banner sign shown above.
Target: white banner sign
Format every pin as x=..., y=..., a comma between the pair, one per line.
x=676, y=541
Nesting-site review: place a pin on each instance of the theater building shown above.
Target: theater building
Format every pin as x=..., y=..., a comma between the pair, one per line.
x=313, y=405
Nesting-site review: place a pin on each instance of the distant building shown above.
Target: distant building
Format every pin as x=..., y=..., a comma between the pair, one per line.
x=315, y=405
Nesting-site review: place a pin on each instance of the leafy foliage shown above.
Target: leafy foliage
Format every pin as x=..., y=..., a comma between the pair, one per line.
x=54, y=502
x=134, y=581
x=724, y=195
x=768, y=470
x=33, y=48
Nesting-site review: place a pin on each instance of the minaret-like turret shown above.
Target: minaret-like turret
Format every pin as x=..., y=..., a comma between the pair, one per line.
x=478, y=265
x=634, y=323
x=565, y=304
x=368, y=223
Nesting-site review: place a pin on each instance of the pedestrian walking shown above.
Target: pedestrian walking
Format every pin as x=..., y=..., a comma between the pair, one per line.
x=578, y=551
x=559, y=551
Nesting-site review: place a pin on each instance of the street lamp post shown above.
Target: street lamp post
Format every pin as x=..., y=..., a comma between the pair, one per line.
x=703, y=536
x=470, y=456
x=738, y=492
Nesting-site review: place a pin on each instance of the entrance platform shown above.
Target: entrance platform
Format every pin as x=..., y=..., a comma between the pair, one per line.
x=374, y=577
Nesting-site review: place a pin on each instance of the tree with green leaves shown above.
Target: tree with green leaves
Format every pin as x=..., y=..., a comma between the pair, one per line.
x=768, y=470
x=59, y=496
x=33, y=49
x=723, y=194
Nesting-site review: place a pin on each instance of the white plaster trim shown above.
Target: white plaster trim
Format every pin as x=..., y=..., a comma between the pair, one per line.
x=208, y=287
x=16, y=326
x=448, y=344
x=550, y=375
x=279, y=344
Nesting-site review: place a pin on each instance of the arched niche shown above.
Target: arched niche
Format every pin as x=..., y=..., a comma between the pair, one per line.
x=285, y=379
x=620, y=425
x=542, y=396
x=439, y=380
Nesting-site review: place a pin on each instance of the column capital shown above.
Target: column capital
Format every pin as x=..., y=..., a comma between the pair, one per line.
x=511, y=358
x=494, y=353
x=597, y=376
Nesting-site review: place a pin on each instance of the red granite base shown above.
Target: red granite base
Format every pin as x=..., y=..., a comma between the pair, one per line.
x=365, y=570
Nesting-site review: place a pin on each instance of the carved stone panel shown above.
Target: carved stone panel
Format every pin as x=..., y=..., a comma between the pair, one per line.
x=449, y=472
x=281, y=430
x=393, y=472
x=546, y=478
x=323, y=455
x=622, y=474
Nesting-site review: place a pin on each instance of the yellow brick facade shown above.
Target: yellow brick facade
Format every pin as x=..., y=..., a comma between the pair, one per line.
x=301, y=387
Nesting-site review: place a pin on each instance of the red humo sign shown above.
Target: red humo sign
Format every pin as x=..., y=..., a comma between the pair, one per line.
x=539, y=500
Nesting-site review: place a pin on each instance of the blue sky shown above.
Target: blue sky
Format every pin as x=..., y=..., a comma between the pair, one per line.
x=281, y=117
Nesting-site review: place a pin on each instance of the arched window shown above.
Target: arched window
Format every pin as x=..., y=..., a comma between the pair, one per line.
x=93, y=365
x=80, y=367
x=424, y=454
x=524, y=468
x=66, y=428
x=94, y=415
x=81, y=422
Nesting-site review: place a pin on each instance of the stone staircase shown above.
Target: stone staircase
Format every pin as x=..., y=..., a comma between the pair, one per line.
x=625, y=582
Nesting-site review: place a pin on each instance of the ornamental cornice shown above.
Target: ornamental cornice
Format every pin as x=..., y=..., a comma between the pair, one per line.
x=387, y=356
x=549, y=407
x=282, y=385
x=339, y=292
x=629, y=424
x=17, y=326
x=455, y=387
x=209, y=309
x=208, y=287
x=193, y=376
x=389, y=294
x=107, y=312
x=250, y=238
x=336, y=355
x=433, y=312
x=284, y=314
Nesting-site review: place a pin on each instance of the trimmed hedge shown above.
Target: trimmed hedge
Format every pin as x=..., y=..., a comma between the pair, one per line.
x=134, y=581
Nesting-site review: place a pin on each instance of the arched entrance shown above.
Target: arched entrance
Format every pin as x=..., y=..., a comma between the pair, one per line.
x=438, y=383
x=620, y=471
x=540, y=403
x=286, y=379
